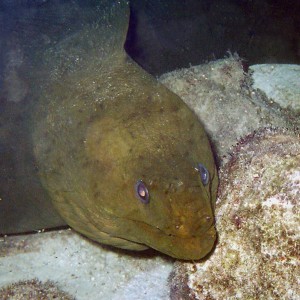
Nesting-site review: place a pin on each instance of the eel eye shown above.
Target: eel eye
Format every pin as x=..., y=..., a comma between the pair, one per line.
x=204, y=174
x=141, y=191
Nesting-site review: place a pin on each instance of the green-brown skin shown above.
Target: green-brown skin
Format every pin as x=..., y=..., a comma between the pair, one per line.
x=105, y=126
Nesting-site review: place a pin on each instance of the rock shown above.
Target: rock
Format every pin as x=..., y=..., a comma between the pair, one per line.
x=222, y=96
x=34, y=290
x=257, y=218
x=280, y=82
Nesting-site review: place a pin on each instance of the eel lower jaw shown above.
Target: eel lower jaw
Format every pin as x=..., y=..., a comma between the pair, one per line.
x=189, y=248
x=138, y=235
x=185, y=248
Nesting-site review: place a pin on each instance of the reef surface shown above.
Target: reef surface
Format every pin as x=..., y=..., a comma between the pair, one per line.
x=257, y=145
x=257, y=219
x=223, y=96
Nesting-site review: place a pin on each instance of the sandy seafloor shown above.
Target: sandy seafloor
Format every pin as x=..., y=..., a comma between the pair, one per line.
x=82, y=268
x=86, y=270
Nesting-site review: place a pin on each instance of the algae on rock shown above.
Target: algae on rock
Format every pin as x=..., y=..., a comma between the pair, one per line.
x=257, y=218
x=221, y=93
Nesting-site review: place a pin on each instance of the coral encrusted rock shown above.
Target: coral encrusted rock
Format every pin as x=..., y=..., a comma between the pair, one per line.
x=33, y=290
x=257, y=218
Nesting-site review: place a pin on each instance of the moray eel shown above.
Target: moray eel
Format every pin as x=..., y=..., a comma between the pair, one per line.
x=125, y=161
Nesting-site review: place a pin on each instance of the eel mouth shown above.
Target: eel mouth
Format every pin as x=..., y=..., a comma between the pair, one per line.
x=139, y=235
x=185, y=248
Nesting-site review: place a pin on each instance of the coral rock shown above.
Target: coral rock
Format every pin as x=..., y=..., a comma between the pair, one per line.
x=33, y=290
x=257, y=217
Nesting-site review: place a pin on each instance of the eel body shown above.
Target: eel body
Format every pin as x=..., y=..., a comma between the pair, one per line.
x=124, y=160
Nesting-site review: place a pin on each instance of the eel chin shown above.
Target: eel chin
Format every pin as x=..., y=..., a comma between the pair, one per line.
x=186, y=248
x=176, y=246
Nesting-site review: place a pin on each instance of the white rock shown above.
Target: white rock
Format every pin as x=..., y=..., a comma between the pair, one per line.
x=281, y=82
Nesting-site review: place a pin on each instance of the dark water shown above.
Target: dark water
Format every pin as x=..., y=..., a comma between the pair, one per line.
x=163, y=36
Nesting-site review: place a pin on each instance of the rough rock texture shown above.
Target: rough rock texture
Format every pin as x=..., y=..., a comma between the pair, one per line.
x=280, y=82
x=222, y=96
x=33, y=290
x=257, y=217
